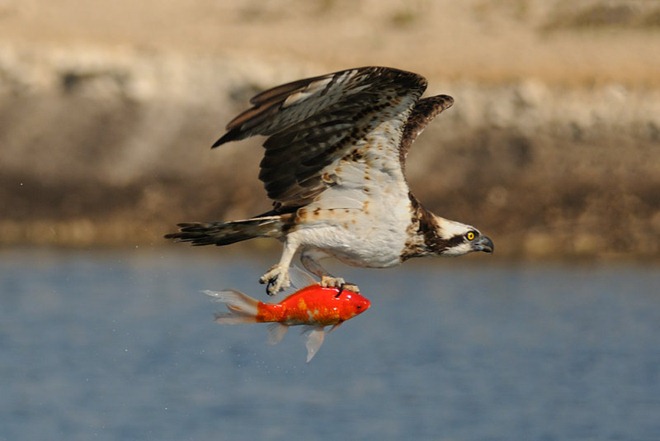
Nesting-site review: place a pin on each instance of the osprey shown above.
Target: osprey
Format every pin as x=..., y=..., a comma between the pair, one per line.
x=334, y=166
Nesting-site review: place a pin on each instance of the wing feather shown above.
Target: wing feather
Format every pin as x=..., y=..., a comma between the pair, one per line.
x=424, y=111
x=315, y=123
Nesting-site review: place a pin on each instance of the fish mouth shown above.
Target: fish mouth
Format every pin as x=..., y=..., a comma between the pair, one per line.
x=485, y=244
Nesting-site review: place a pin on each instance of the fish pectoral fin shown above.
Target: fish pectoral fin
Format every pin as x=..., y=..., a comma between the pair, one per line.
x=276, y=332
x=335, y=327
x=300, y=278
x=314, y=341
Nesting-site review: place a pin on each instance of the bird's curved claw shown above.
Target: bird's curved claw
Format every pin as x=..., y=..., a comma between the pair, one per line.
x=276, y=280
x=349, y=287
x=332, y=282
x=338, y=282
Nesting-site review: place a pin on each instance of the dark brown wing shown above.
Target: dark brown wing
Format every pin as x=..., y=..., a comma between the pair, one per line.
x=424, y=111
x=315, y=122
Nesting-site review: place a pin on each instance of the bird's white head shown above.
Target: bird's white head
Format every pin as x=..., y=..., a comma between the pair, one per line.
x=450, y=238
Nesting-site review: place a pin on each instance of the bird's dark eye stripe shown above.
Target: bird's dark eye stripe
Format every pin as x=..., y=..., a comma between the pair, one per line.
x=454, y=241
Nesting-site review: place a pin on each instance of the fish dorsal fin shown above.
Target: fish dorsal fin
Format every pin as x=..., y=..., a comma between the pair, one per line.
x=276, y=332
x=300, y=278
x=314, y=341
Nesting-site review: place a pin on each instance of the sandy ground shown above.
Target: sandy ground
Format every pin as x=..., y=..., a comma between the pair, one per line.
x=555, y=41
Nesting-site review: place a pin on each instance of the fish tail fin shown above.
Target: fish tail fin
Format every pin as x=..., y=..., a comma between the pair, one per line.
x=225, y=233
x=315, y=336
x=241, y=307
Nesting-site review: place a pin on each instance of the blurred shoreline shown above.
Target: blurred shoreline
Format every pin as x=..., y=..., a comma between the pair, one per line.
x=551, y=147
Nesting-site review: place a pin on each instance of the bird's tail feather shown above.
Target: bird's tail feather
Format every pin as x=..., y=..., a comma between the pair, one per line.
x=241, y=307
x=225, y=233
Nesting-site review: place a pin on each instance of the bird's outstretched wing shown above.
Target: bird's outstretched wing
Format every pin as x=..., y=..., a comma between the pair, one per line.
x=355, y=116
x=424, y=111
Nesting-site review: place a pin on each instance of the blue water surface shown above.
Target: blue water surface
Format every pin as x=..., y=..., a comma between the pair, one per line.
x=120, y=345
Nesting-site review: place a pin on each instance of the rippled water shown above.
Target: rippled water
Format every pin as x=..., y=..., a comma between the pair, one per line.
x=121, y=345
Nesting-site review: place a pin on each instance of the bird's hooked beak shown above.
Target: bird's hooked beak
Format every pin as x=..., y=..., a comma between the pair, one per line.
x=484, y=244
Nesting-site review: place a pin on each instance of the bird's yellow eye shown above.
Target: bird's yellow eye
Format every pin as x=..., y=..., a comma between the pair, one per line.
x=470, y=235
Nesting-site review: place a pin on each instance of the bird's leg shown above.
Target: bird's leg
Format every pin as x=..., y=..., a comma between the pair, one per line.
x=310, y=258
x=277, y=277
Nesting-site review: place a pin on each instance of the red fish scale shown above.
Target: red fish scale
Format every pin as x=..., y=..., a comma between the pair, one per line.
x=312, y=305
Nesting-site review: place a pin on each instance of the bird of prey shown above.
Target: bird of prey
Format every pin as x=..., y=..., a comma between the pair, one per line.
x=334, y=167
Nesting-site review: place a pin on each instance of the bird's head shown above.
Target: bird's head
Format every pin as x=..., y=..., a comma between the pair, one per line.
x=452, y=238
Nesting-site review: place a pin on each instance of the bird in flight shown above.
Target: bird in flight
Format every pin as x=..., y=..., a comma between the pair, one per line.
x=334, y=166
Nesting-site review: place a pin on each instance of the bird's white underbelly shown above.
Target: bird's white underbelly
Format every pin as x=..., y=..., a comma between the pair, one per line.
x=363, y=218
x=373, y=249
x=372, y=236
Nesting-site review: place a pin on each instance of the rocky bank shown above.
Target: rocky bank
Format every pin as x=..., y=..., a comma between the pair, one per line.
x=104, y=145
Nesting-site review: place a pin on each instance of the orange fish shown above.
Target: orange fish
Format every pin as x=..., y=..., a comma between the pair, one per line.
x=313, y=306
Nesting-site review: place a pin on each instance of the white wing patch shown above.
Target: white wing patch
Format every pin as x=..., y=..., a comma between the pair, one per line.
x=319, y=87
x=311, y=90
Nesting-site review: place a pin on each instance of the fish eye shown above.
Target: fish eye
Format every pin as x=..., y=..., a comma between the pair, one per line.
x=471, y=235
